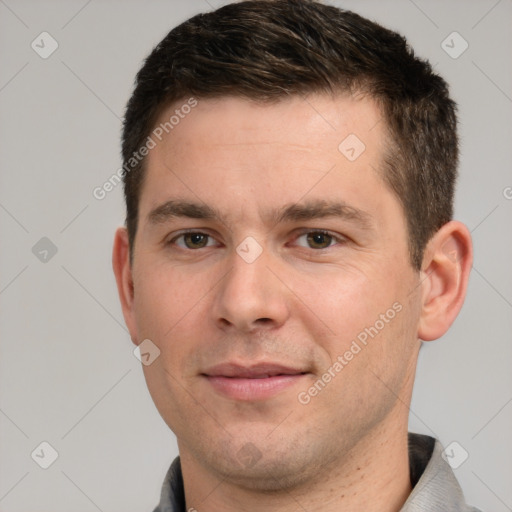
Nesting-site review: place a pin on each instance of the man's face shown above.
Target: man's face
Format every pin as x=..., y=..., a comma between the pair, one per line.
x=265, y=254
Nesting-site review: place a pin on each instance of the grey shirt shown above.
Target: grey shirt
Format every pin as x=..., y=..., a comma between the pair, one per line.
x=435, y=488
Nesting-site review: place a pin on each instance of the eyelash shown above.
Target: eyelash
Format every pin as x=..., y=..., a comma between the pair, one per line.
x=336, y=239
x=173, y=240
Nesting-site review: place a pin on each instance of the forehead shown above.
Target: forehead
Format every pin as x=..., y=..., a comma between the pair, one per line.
x=299, y=120
x=298, y=146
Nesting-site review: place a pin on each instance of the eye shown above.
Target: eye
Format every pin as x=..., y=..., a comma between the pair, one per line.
x=317, y=240
x=193, y=240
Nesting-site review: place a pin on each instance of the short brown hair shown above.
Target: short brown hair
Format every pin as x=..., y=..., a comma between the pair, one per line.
x=265, y=50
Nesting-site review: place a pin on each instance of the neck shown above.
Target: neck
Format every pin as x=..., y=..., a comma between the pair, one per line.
x=373, y=476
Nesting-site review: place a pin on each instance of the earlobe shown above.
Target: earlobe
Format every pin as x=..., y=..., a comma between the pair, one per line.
x=123, y=273
x=446, y=266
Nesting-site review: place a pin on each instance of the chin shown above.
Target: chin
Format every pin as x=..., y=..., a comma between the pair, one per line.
x=267, y=476
x=273, y=469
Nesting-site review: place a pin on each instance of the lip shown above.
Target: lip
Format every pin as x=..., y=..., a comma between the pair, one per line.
x=254, y=382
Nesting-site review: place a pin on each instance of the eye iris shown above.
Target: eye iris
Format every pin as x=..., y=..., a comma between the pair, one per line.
x=195, y=240
x=319, y=240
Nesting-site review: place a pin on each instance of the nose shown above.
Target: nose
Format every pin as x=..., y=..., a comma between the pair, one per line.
x=251, y=296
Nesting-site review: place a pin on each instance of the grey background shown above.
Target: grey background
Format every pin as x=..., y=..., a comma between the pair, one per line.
x=68, y=375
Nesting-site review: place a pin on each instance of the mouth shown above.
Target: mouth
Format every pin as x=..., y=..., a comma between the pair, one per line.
x=254, y=382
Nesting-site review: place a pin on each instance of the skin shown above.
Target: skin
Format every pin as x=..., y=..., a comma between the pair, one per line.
x=302, y=303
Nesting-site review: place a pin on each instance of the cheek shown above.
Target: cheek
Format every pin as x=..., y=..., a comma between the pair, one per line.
x=342, y=302
x=168, y=303
x=357, y=314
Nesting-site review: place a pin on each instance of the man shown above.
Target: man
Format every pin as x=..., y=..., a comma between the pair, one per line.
x=289, y=244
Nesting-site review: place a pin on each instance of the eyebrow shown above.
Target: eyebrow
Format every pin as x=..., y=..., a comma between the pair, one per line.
x=306, y=211
x=318, y=209
x=173, y=209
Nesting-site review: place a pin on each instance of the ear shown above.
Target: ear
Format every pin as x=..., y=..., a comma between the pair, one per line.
x=123, y=272
x=445, y=272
